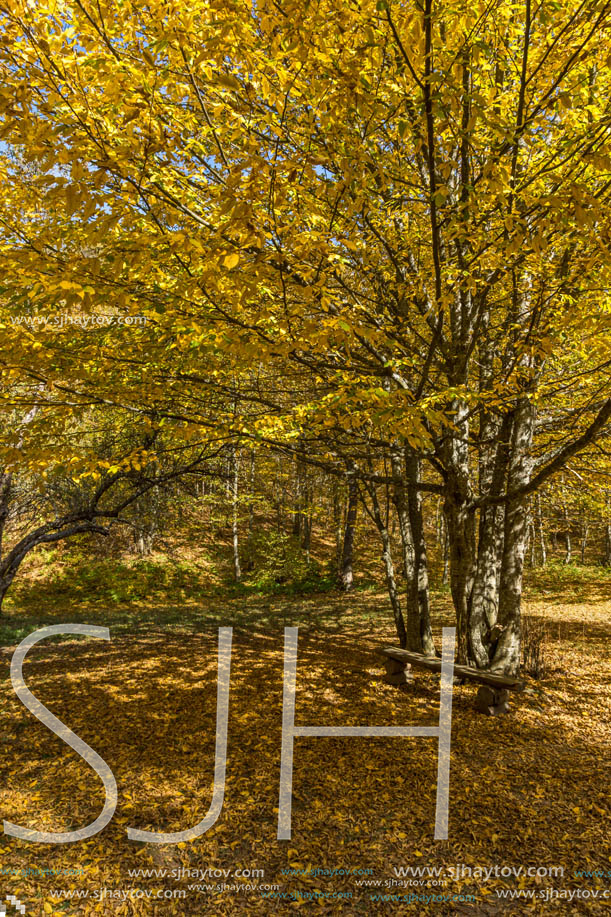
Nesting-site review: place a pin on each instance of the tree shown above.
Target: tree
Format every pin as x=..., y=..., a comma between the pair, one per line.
x=391, y=237
x=99, y=485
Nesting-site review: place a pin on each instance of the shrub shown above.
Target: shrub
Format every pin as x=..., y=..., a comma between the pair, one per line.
x=279, y=563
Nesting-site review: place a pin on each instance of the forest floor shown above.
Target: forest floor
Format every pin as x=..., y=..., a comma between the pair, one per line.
x=527, y=791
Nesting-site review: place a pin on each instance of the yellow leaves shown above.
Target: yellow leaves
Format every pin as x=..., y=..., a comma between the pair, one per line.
x=581, y=215
x=539, y=243
x=71, y=286
x=150, y=193
x=231, y=261
x=71, y=198
x=227, y=81
x=131, y=114
x=327, y=813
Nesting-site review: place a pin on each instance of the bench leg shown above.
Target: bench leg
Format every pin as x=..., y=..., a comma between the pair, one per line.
x=492, y=701
x=397, y=673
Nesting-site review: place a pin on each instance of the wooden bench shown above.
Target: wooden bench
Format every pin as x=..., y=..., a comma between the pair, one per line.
x=492, y=696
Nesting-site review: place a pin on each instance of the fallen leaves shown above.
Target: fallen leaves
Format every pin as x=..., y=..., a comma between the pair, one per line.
x=530, y=788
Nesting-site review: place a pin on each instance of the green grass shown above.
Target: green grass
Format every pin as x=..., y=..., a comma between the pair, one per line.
x=140, y=595
x=195, y=593
x=557, y=577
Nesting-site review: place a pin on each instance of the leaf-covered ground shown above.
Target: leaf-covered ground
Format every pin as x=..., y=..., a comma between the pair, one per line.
x=527, y=790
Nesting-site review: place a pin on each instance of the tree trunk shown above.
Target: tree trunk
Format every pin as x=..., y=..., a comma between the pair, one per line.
x=5, y=498
x=407, y=549
x=49, y=533
x=306, y=514
x=279, y=491
x=5, y=582
x=418, y=608
x=301, y=505
x=484, y=605
x=460, y=521
x=249, y=562
x=445, y=576
x=584, y=540
x=388, y=568
x=144, y=543
x=306, y=526
x=539, y=518
x=337, y=523
x=438, y=524
x=347, y=581
x=507, y=652
x=235, y=493
x=568, y=554
x=483, y=609
x=567, y=524
x=530, y=539
x=493, y=436
x=251, y=502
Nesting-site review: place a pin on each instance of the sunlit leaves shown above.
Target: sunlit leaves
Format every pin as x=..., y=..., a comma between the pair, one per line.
x=258, y=185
